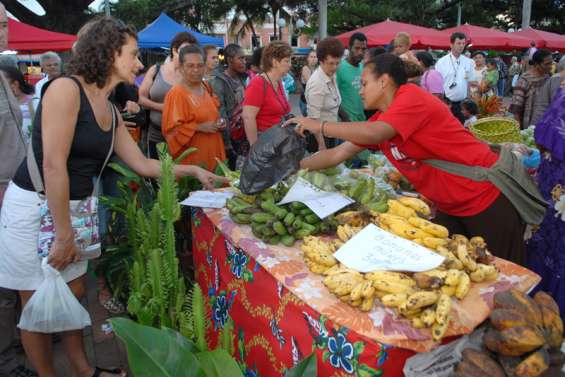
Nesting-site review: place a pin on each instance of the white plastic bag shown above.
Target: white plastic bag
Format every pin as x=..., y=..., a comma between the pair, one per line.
x=53, y=307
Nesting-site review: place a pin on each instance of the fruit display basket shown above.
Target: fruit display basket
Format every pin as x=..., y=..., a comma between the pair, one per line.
x=497, y=130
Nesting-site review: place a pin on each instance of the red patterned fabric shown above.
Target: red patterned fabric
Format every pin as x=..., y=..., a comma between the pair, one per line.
x=273, y=328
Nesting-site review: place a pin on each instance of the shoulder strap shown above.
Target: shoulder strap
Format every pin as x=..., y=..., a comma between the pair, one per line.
x=14, y=117
x=35, y=174
x=157, y=69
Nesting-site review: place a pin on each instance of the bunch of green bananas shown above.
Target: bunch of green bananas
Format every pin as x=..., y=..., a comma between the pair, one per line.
x=278, y=223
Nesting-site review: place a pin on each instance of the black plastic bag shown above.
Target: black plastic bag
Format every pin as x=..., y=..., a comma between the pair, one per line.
x=275, y=156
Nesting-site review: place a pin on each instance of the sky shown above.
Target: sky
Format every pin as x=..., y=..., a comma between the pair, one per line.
x=35, y=7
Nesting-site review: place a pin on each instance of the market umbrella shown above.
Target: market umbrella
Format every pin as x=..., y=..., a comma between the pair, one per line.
x=485, y=38
x=382, y=33
x=24, y=37
x=543, y=39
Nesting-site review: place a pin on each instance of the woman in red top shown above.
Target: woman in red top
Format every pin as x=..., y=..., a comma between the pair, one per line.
x=265, y=102
x=410, y=126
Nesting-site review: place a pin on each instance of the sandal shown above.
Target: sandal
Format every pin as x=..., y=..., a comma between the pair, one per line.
x=98, y=371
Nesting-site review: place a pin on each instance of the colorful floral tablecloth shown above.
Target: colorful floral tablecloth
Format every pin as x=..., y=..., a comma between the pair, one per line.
x=282, y=311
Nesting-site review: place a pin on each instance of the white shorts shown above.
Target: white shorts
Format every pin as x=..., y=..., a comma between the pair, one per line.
x=20, y=264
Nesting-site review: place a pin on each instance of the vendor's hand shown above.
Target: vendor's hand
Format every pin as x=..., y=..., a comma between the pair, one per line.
x=63, y=253
x=132, y=107
x=221, y=123
x=207, y=178
x=209, y=127
x=303, y=124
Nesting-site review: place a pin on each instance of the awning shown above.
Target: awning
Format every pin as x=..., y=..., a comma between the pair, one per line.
x=485, y=38
x=27, y=38
x=382, y=33
x=543, y=39
x=159, y=33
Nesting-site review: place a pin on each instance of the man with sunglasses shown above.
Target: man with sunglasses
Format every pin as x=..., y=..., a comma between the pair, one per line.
x=458, y=71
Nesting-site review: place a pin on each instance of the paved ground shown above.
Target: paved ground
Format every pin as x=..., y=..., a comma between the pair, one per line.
x=104, y=350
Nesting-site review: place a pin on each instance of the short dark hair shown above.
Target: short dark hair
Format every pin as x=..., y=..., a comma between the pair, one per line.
x=191, y=49
x=14, y=74
x=457, y=35
x=471, y=106
x=539, y=56
x=329, y=46
x=231, y=50
x=425, y=58
x=479, y=53
x=276, y=50
x=93, y=52
x=491, y=61
x=357, y=37
x=181, y=38
x=376, y=51
x=391, y=65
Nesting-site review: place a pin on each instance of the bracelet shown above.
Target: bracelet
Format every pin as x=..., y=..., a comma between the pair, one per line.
x=322, y=124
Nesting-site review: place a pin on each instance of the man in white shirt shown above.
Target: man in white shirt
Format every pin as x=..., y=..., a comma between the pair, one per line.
x=458, y=72
x=50, y=64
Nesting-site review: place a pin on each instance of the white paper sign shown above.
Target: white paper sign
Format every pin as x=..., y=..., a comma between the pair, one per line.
x=376, y=249
x=207, y=199
x=322, y=203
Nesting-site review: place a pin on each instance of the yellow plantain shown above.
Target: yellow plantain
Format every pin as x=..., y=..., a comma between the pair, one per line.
x=448, y=290
x=355, y=303
x=421, y=299
x=356, y=292
x=442, y=274
x=416, y=204
x=463, y=286
x=477, y=276
x=514, y=299
x=399, y=209
x=387, y=219
x=367, y=290
x=394, y=299
x=434, y=242
x=427, y=226
x=443, y=307
x=391, y=287
x=463, y=255
x=453, y=276
x=418, y=323
x=439, y=330
x=367, y=304
x=428, y=317
x=391, y=276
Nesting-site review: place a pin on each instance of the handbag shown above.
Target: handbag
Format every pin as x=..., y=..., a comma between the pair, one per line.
x=510, y=176
x=84, y=213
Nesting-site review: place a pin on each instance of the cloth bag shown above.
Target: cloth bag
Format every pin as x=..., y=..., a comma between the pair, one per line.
x=510, y=176
x=53, y=307
x=84, y=213
x=275, y=156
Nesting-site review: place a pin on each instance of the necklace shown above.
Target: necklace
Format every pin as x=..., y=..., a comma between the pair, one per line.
x=196, y=95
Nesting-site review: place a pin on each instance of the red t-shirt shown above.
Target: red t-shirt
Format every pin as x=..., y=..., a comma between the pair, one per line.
x=272, y=105
x=426, y=129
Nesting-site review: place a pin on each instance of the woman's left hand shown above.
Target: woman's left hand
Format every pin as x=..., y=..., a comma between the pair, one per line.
x=207, y=178
x=132, y=107
x=303, y=124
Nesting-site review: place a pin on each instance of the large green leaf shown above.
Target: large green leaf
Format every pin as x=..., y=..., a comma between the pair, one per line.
x=156, y=353
x=218, y=363
x=308, y=367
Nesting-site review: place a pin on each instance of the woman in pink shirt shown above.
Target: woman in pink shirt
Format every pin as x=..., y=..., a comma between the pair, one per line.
x=431, y=80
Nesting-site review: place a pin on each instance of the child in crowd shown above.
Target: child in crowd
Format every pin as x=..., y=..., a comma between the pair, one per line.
x=469, y=109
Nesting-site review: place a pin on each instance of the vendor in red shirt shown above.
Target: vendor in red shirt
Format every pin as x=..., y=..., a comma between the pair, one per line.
x=265, y=102
x=410, y=126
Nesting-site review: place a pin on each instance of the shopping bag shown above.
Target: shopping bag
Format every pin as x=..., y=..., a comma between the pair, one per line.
x=53, y=307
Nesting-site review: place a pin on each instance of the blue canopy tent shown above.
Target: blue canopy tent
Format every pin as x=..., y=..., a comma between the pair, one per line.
x=159, y=33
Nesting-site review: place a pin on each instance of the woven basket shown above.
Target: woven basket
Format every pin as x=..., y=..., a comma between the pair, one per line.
x=497, y=130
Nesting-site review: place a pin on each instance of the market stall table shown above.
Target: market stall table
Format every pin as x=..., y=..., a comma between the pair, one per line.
x=282, y=312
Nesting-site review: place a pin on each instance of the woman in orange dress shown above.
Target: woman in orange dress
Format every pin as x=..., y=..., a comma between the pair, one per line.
x=190, y=115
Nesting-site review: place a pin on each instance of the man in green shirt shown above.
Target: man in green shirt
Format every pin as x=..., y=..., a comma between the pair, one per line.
x=349, y=78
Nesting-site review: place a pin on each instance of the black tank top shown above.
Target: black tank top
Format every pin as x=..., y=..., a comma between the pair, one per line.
x=89, y=149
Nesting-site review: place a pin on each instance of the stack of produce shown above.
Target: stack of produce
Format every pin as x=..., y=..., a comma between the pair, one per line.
x=277, y=224
x=525, y=336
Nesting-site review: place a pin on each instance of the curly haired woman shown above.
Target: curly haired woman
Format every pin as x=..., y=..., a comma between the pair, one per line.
x=71, y=138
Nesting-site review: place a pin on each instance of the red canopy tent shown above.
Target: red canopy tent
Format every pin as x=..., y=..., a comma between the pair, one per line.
x=485, y=38
x=23, y=37
x=543, y=39
x=382, y=33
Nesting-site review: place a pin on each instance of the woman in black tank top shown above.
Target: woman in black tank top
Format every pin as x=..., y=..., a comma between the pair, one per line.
x=71, y=138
